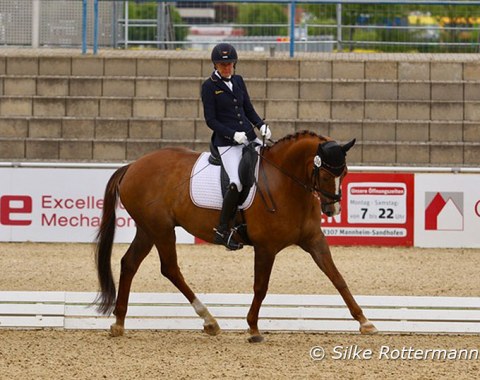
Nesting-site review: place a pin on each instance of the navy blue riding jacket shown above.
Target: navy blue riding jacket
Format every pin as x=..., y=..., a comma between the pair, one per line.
x=226, y=111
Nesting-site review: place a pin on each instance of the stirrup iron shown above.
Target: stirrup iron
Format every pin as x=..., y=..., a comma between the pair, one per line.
x=227, y=241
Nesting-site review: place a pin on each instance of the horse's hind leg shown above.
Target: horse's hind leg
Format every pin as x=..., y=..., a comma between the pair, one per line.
x=169, y=268
x=320, y=252
x=138, y=250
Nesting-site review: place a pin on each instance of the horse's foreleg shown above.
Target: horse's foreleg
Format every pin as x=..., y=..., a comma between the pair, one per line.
x=263, y=269
x=169, y=268
x=137, y=251
x=320, y=252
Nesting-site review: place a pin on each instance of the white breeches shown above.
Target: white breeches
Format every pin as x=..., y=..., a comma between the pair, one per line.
x=231, y=156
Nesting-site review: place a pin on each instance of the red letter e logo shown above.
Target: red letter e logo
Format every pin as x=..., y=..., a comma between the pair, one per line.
x=15, y=204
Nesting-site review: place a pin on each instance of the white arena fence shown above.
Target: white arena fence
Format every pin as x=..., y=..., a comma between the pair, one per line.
x=280, y=312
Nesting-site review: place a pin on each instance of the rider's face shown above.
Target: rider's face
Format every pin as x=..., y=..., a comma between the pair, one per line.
x=225, y=69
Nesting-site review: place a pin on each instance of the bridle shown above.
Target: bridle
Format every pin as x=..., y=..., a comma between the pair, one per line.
x=318, y=166
x=332, y=170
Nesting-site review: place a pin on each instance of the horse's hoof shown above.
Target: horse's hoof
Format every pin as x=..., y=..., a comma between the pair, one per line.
x=368, y=329
x=116, y=330
x=212, y=329
x=256, y=339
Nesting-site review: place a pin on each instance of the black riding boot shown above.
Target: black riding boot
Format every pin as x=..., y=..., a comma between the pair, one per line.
x=223, y=233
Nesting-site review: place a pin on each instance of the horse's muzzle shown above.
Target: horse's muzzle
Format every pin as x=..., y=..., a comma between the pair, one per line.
x=331, y=209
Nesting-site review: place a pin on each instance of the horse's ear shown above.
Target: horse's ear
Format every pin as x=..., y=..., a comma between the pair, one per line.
x=348, y=145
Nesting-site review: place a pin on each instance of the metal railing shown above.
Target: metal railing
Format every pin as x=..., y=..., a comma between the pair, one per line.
x=299, y=26
x=388, y=25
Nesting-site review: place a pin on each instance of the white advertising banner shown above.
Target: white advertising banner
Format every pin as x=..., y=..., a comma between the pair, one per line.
x=447, y=210
x=59, y=205
x=65, y=205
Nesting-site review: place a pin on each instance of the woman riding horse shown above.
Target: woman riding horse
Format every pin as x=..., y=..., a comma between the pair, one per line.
x=301, y=174
x=230, y=114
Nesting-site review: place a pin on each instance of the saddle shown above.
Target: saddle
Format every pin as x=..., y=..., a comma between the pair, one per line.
x=246, y=169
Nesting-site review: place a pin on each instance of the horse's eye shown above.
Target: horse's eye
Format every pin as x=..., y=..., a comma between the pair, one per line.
x=324, y=179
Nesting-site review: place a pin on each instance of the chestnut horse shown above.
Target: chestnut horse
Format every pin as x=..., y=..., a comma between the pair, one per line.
x=300, y=174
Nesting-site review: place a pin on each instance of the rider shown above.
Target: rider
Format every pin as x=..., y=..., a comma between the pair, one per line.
x=230, y=114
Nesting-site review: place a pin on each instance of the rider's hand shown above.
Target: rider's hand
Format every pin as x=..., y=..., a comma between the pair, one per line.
x=265, y=131
x=240, y=137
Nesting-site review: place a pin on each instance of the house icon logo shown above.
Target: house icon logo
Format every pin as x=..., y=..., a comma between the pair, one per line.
x=444, y=211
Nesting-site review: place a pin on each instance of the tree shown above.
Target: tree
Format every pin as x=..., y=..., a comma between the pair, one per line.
x=263, y=16
x=148, y=11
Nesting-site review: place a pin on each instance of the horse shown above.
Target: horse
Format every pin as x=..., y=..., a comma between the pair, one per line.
x=300, y=175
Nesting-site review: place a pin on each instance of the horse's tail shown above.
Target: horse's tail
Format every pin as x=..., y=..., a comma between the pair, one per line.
x=104, y=244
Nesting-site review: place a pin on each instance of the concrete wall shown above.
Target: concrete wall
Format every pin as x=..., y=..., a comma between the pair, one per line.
x=403, y=109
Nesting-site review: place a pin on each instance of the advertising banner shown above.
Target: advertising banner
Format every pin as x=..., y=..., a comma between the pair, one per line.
x=387, y=209
x=59, y=205
x=447, y=210
x=377, y=209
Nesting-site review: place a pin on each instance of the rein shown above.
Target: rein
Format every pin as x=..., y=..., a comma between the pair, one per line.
x=291, y=176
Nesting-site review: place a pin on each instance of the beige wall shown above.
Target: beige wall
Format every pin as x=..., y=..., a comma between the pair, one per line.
x=402, y=109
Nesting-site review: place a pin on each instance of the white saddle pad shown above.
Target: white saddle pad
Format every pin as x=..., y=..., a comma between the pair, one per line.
x=205, y=187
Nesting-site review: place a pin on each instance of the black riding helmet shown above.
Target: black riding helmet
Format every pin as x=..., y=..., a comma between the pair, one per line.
x=224, y=53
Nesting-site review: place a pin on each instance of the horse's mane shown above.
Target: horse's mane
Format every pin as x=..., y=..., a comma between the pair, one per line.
x=296, y=136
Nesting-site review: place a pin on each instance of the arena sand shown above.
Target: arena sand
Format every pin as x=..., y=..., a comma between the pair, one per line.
x=56, y=354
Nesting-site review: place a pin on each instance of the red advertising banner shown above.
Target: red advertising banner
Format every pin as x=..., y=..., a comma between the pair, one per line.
x=377, y=209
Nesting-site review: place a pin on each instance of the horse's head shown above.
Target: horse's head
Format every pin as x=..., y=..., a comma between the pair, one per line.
x=329, y=169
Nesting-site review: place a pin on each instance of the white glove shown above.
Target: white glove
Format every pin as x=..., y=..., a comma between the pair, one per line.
x=240, y=137
x=265, y=131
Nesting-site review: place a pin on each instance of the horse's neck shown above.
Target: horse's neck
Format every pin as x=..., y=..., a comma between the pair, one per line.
x=296, y=156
